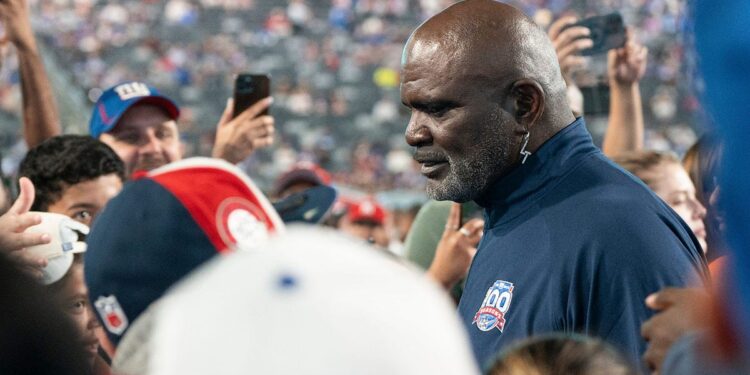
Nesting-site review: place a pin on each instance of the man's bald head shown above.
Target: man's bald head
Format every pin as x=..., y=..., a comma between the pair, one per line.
x=483, y=83
x=493, y=41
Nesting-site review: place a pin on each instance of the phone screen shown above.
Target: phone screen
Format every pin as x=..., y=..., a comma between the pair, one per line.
x=248, y=90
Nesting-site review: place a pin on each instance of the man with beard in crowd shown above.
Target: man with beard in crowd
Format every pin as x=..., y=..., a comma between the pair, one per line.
x=571, y=242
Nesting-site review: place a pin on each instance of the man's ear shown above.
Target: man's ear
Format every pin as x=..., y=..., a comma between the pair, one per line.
x=528, y=101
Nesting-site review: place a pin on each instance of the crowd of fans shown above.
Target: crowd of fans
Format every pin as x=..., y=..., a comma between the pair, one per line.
x=291, y=235
x=334, y=68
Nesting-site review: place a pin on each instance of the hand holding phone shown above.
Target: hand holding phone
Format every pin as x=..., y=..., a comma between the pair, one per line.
x=606, y=32
x=245, y=125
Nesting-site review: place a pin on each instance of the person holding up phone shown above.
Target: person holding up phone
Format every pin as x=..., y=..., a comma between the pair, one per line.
x=140, y=125
x=626, y=66
x=245, y=125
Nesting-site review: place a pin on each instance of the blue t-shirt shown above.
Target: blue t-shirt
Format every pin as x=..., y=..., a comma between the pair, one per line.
x=573, y=243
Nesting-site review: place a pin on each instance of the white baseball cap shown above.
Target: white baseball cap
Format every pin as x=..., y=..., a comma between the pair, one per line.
x=66, y=240
x=314, y=302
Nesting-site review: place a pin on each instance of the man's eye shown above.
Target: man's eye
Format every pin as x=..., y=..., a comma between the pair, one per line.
x=78, y=306
x=82, y=216
x=164, y=134
x=439, y=110
x=128, y=138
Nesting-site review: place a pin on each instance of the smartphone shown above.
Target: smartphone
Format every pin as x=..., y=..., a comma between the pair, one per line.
x=607, y=32
x=248, y=90
x=595, y=99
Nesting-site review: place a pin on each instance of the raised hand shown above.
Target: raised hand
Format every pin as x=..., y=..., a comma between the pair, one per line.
x=13, y=239
x=237, y=138
x=569, y=43
x=456, y=248
x=627, y=65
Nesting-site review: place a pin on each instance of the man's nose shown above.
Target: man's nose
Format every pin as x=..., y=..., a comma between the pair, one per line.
x=417, y=133
x=151, y=144
x=91, y=321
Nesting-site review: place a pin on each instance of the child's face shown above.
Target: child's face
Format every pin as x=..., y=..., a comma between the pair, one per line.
x=83, y=201
x=75, y=299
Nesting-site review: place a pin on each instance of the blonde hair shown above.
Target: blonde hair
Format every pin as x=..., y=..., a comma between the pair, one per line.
x=560, y=354
x=639, y=163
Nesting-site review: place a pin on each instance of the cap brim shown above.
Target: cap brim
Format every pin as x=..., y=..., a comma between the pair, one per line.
x=307, y=206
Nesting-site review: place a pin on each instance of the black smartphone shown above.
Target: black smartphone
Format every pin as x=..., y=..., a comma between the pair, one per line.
x=248, y=90
x=607, y=32
x=595, y=99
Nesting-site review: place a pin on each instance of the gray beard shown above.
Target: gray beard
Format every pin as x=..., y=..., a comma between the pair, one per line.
x=470, y=176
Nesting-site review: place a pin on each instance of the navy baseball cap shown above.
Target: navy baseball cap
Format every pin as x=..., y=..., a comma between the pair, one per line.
x=118, y=99
x=308, y=206
x=163, y=226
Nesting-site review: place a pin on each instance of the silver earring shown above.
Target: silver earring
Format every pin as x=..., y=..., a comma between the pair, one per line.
x=524, y=152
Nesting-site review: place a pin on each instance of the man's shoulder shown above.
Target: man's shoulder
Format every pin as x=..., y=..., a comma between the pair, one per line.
x=598, y=186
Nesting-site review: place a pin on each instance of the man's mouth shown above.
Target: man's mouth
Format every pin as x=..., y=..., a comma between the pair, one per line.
x=432, y=164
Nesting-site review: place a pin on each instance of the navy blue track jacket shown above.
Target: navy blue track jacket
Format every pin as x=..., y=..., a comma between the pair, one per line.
x=573, y=243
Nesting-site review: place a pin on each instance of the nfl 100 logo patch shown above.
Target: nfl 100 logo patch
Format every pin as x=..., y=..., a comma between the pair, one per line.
x=496, y=303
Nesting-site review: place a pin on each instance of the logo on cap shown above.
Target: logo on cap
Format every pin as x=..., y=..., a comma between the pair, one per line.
x=131, y=90
x=111, y=314
x=494, y=307
x=241, y=223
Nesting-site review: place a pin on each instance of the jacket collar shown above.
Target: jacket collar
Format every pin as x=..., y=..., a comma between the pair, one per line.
x=515, y=192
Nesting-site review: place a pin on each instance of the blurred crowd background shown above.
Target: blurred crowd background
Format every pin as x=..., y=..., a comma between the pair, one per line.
x=334, y=66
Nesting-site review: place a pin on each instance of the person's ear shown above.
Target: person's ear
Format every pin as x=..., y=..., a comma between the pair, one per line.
x=528, y=102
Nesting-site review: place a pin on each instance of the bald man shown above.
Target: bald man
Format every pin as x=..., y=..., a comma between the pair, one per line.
x=571, y=242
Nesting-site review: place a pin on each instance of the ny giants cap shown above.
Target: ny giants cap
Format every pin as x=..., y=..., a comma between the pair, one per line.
x=164, y=225
x=117, y=99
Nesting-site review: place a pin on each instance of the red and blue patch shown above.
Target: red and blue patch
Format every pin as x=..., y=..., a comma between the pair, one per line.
x=495, y=306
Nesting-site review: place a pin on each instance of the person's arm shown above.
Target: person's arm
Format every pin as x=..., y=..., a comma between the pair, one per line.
x=40, y=117
x=625, y=68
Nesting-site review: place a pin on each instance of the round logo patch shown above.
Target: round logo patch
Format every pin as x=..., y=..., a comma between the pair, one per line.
x=242, y=224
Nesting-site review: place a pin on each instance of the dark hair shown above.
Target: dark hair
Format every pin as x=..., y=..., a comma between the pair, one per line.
x=640, y=162
x=63, y=161
x=561, y=354
x=36, y=337
x=702, y=162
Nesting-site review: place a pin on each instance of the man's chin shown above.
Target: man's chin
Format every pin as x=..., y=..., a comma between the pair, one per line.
x=150, y=165
x=440, y=191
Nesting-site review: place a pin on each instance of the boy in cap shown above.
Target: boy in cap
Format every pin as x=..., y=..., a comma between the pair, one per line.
x=140, y=124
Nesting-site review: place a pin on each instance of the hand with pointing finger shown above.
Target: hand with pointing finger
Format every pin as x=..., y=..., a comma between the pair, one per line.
x=13, y=224
x=456, y=249
x=237, y=138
